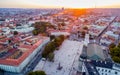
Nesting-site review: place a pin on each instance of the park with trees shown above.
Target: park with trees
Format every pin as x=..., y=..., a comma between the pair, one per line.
x=115, y=52
x=41, y=27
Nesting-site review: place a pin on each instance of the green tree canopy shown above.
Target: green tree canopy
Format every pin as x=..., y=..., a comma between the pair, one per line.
x=51, y=46
x=41, y=27
x=119, y=45
x=51, y=56
x=37, y=73
x=115, y=52
x=116, y=59
x=58, y=41
x=85, y=28
x=112, y=45
x=62, y=37
x=15, y=33
x=83, y=34
x=52, y=37
x=35, y=32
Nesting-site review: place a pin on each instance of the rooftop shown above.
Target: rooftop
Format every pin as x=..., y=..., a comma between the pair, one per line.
x=95, y=52
x=104, y=64
x=91, y=69
x=92, y=64
x=17, y=53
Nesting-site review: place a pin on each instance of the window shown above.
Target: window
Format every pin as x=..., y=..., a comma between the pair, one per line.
x=105, y=70
x=98, y=69
x=115, y=72
x=102, y=74
x=109, y=71
x=102, y=69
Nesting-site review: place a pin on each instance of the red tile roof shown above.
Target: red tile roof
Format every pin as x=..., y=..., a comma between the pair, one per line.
x=16, y=62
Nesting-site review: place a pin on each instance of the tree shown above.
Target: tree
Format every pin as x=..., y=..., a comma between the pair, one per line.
x=46, y=51
x=41, y=27
x=9, y=41
x=85, y=28
x=114, y=52
x=63, y=24
x=50, y=47
x=116, y=59
x=37, y=73
x=58, y=41
x=51, y=56
x=119, y=45
x=112, y=45
x=15, y=33
x=83, y=34
x=52, y=37
x=35, y=32
x=62, y=37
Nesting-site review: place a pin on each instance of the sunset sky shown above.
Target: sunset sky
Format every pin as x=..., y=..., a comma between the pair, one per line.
x=59, y=3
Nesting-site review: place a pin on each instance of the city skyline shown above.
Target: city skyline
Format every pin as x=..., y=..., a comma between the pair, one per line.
x=55, y=37
x=60, y=3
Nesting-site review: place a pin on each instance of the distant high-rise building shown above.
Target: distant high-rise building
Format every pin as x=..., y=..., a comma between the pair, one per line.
x=63, y=8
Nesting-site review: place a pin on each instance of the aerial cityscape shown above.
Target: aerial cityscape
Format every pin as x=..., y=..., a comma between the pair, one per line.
x=59, y=37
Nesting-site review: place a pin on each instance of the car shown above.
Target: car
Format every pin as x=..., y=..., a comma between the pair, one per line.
x=43, y=59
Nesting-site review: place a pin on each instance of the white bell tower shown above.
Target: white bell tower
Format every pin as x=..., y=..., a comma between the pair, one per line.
x=86, y=40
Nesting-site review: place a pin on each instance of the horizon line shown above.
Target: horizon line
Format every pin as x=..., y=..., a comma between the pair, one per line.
x=60, y=8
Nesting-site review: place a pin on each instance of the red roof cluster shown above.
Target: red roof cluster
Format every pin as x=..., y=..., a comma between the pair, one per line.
x=16, y=62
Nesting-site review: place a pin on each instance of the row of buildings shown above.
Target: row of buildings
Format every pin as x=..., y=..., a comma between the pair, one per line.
x=112, y=34
x=17, y=51
x=95, y=59
x=18, y=46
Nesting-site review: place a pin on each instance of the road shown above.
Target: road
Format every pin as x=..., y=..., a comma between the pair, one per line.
x=105, y=30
